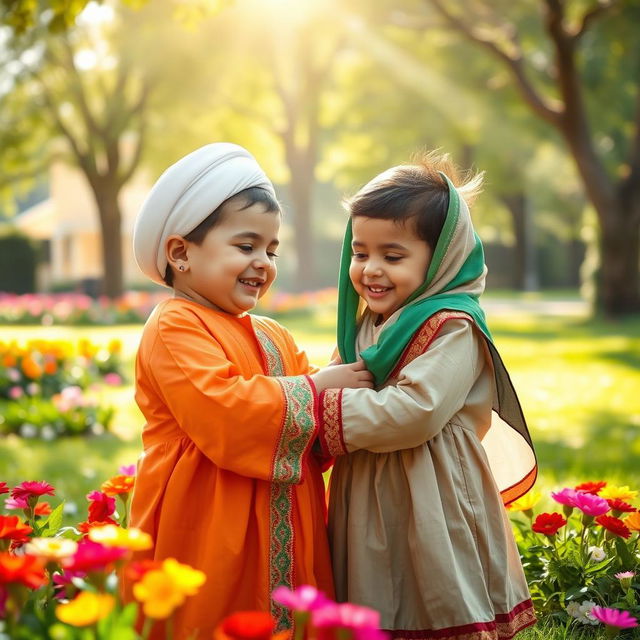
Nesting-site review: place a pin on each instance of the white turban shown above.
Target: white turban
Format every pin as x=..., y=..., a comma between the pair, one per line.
x=186, y=193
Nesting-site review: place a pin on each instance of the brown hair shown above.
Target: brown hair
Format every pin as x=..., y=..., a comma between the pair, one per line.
x=417, y=192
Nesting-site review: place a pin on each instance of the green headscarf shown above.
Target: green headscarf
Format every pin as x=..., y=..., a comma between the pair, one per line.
x=454, y=281
x=382, y=357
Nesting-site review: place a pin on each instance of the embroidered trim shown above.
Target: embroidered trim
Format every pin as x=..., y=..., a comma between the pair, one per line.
x=331, y=437
x=504, y=627
x=296, y=433
x=423, y=338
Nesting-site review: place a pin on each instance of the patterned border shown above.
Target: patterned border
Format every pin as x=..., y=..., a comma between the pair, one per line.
x=331, y=436
x=296, y=434
x=424, y=336
x=504, y=627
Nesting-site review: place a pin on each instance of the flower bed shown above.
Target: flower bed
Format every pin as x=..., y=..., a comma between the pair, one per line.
x=43, y=387
x=583, y=562
x=62, y=581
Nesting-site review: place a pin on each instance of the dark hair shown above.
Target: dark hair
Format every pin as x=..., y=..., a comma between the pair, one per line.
x=413, y=192
x=251, y=196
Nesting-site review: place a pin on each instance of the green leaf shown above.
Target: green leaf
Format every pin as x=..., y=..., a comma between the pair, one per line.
x=53, y=522
x=624, y=553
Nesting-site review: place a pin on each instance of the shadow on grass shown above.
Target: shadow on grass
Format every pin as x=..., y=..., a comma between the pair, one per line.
x=611, y=450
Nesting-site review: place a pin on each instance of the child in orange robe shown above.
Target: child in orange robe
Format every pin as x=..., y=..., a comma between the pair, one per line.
x=226, y=483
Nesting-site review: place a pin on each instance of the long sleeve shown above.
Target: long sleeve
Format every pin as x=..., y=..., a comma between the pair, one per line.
x=429, y=391
x=258, y=426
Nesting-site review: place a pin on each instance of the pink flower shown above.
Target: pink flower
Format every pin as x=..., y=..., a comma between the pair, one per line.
x=15, y=393
x=92, y=556
x=127, y=470
x=591, y=504
x=364, y=623
x=32, y=488
x=614, y=617
x=625, y=574
x=13, y=503
x=304, y=598
x=565, y=497
x=113, y=379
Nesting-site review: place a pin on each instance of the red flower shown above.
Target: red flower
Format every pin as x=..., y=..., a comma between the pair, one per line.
x=27, y=570
x=591, y=487
x=12, y=528
x=548, y=523
x=620, y=505
x=136, y=570
x=93, y=556
x=118, y=484
x=614, y=525
x=4, y=488
x=42, y=509
x=101, y=506
x=32, y=488
x=246, y=625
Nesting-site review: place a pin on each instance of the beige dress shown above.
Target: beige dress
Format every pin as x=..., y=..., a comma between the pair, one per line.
x=417, y=525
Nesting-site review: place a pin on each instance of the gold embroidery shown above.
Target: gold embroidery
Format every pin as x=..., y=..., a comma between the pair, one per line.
x=332, y=421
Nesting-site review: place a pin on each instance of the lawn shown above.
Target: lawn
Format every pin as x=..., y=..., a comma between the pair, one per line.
x=578, y=380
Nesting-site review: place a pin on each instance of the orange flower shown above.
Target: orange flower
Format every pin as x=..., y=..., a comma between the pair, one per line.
x=43, y=509
x=115, y=346
x=9, y=360
x=118, y=484
x=85, y=527
x=50, y=367
x=27, y=570
x=633, y=521
x=12, y=528
x=31, y=368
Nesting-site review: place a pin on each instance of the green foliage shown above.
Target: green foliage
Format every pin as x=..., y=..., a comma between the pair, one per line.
x=18, y=262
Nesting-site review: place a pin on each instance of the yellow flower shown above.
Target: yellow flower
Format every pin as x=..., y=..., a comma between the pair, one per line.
x=111, y=535
x=86, y=609
x=51, y=548
x=633, y=521
x=526, y=502
x=622, y=493
x=158, y=593
x=186, y=579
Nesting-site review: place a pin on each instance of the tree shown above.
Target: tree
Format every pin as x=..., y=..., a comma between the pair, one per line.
x=561, y=83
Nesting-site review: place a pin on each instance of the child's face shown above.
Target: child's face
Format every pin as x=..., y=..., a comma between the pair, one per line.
x=389, y=263
x=235, y=264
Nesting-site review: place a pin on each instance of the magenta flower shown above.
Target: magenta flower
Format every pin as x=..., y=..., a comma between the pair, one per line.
x=4, y=488
x=32, y=488
x=127, y=470
x=565, y=497
x=362, y=622
x=92, y=556
x=614, y=617
x=4, y=596
x=591, y=504
x=113, y=379
x=304, y=598
x=13, y=503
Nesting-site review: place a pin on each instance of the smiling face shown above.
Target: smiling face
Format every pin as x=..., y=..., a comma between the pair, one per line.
x=389, y=262
x=234, y=265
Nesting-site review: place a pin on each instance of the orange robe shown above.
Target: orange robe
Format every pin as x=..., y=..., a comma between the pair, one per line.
x=226, y=483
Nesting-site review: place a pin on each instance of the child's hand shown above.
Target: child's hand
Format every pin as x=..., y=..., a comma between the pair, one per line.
x=341, y=376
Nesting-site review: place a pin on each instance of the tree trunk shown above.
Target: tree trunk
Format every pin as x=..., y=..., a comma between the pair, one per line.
x=111, y=223
x=618, y=290
x=302, y=181
x=526, y=273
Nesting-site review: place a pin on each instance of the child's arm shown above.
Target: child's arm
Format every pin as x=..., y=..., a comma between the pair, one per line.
x=260, y=427
x=430, y=391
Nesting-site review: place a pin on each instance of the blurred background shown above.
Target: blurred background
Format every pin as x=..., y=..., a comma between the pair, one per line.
x=97, y=99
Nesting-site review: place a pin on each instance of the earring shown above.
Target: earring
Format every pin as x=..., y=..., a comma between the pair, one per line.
x=181, y=267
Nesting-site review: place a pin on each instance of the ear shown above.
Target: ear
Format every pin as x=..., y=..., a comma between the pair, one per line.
x=176, y=253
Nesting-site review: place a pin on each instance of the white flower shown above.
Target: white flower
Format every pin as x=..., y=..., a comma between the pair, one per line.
x=13, y=375
x=597, y=554
x=48, y=432
x=28, y=430
x=33, y=389
x=573, y=609
x=51, y=548
x=585, y=616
